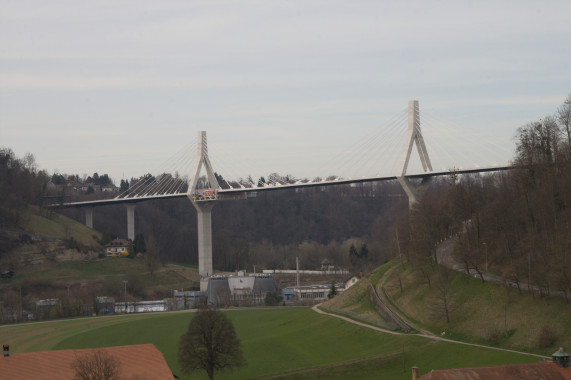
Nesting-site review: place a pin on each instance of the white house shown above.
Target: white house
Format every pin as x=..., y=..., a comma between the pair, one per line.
x=117, y=246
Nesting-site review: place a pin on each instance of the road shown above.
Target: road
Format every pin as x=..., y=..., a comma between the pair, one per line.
x=444, y=255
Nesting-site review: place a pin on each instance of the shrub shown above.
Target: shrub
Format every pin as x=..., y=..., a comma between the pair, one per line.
x=272, y=299
x=546, y=338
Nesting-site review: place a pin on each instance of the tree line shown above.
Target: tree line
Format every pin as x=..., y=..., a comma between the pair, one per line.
x=516, y=224
x=266, y=231
x=270, y=230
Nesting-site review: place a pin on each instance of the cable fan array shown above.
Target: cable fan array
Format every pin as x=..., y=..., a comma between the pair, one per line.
x=376, y=155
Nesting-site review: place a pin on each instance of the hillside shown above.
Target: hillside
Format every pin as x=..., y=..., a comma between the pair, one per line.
x=53, y=256
x=485, y=313
x=43, y=238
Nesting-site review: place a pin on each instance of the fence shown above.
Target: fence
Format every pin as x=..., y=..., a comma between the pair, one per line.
x=384, y=310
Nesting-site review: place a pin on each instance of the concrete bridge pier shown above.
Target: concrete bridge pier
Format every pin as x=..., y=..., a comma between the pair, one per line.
x=411, y=190
x=130, y=221
x=204, y=212
x=89, y=217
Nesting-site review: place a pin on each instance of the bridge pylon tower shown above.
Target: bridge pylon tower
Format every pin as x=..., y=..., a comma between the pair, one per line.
x=203, y=201
x=414, y=136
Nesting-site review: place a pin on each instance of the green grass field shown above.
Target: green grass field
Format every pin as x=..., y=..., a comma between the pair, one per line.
x=277, y=343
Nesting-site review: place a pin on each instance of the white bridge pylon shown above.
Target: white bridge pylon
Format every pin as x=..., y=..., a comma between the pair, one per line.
x=414, y=136
x=203, y=201
x=202, y=159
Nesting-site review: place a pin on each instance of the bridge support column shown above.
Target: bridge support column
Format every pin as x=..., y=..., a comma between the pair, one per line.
x=409, y=189
x=89, y=217
x=203, y=208
x=130, y=221
x=204, y=211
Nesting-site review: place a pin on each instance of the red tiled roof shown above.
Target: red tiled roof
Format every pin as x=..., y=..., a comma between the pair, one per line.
x=143, y=360
x=533, y=371
x=118, y=243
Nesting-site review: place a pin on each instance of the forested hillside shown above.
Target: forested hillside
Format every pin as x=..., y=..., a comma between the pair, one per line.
x=516, y=223
x=20, y=184
x=267, y=231
x=271, y=229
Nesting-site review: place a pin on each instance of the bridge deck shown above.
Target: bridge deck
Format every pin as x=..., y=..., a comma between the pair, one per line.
x=240, y=193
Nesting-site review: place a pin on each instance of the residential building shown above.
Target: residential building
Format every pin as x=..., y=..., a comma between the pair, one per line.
x=44, y=307
x=117, y=247
x=350, y=282
x=188, y=299
x=557, y=369
x=315, y=293
x=110, y=188
x=141, y=306
x=105, y=305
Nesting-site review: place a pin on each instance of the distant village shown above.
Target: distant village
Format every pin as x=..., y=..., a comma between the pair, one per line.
x=238, y=289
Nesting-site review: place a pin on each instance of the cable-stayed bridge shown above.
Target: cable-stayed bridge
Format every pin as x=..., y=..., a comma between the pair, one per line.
x=385, y=155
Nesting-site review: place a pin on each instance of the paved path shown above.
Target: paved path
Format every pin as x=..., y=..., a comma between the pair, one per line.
x=424, y=335
x=444, y=252
x=381, y=293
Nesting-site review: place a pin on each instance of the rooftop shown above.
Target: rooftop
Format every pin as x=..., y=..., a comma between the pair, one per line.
x=142, y=360
x=534, y=371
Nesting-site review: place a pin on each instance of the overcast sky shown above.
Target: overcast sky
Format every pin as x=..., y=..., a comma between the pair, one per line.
x=118, y=86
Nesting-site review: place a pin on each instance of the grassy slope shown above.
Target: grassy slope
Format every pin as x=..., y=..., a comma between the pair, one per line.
x=282, y=343
x=482, y=312
x=108, y=268
x=59, y=226
x=355, y=302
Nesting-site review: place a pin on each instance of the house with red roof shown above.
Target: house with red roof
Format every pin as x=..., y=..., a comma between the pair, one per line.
x=557, y=369
x=142, y=361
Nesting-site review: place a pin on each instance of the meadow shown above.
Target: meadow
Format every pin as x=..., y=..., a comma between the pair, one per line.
x=58, y=226
x=277, y=343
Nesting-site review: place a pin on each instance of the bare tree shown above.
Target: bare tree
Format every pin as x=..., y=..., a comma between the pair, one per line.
x=152, y=257
x=210, y=344
x=443, y=292
x=564, y=118
x=96, y=366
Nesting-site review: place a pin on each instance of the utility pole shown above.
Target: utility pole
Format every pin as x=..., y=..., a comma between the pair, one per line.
x=398, y=244
x=21, y=304
x=125, y=295
x=297, y=271
x=506, y=318
x=486, y=248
